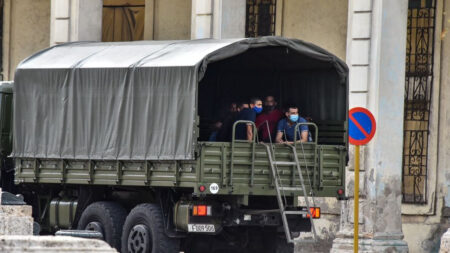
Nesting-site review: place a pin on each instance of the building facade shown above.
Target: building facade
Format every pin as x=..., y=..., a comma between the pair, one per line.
x=398, y=53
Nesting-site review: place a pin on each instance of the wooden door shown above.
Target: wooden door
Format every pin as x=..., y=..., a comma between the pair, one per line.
x=123, y=20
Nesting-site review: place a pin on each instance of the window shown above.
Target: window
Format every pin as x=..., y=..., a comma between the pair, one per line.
x=418, y=91
x=260, y=18
x=123, y=20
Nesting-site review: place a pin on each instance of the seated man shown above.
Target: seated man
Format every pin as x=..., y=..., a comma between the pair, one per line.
x=224, y=133
x=215, y=129
x=245, y=131
x=286, y=127
x=270, y=116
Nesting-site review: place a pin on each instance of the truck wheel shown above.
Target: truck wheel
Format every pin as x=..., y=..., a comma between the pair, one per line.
x=104, y=217
x=143, y=232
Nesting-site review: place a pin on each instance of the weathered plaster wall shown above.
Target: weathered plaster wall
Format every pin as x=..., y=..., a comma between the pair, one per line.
x=75, y=20
x=172, y=20
x=218, y=19
x=232, y=18
x=326, y=227
x=26, y=30
x=321, y=22
x=444, y=151
x=423, y=233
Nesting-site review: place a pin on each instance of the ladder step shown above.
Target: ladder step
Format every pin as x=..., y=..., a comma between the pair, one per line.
x=285, y=163
x=304, y=240
x=295, y=212
x=297, y=189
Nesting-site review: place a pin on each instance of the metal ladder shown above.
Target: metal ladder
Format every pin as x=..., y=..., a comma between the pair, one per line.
x=280, y=189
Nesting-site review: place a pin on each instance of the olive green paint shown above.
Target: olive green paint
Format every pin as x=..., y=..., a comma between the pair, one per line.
x=62, y=212
x=325, y=169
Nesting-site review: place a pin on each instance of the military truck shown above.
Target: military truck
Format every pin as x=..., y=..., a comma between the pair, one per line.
x=113, y=137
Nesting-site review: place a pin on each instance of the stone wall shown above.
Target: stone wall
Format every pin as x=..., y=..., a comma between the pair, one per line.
x=15, y=220
x=45, y=244
x=26, y=30
x=321, y=22
x=445, y=243
x=167, y=20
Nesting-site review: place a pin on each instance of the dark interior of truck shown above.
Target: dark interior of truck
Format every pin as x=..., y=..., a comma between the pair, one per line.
x=312, y=85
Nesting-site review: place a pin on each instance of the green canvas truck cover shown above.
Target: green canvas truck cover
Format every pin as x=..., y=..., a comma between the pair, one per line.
x=126, y=100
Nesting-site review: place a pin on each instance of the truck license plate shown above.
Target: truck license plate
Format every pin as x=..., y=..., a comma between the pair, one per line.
x=201, y=228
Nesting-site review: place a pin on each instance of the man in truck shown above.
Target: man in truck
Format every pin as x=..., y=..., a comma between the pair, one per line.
x=286, y=127
x=224, y=133
x=269, y=117
x=245, y=131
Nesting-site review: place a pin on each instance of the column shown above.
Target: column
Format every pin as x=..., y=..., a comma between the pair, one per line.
x=229, y=19
x=376, y=51
x=75, y=20
x=218, y=19
x=444, y=134
x=202, y=19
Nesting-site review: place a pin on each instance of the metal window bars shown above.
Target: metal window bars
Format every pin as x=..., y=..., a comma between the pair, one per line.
x=418, y=93
x=260, y=18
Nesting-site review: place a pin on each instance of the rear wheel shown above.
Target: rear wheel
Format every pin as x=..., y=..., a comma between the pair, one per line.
x=104, y=217
x=143, y=232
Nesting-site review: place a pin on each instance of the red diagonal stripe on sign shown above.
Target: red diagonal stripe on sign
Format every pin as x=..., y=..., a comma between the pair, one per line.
x=358, y=125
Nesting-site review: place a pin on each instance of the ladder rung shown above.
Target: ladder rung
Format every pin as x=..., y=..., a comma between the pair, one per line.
x=295, y=212
x=298, y=189
x=301, y=240
x=285, y=163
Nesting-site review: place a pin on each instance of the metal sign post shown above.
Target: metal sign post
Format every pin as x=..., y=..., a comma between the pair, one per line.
x=356, y=202
x=362, y=128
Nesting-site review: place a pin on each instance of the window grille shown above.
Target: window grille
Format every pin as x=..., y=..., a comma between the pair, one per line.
x=260, y=18
x=418, y=93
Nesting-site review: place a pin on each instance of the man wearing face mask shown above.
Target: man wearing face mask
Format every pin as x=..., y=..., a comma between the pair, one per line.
x=286, y=127
x=270, y=114
x=245, y=131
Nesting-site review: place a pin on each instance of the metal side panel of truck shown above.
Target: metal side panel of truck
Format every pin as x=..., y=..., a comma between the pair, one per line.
x=110, y=140
x=324, y=167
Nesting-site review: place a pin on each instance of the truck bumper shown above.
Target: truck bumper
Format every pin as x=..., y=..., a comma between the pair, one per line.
x=187, y=219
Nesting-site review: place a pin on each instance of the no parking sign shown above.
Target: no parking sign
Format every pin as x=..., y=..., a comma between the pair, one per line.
x=361, y=126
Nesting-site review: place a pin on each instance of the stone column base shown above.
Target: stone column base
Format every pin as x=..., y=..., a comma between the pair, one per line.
x=16, y=220
x=345, y=245
x=47, y=244
x=445, y=242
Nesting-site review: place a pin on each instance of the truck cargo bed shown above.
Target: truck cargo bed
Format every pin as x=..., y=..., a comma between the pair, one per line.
x=322, y=165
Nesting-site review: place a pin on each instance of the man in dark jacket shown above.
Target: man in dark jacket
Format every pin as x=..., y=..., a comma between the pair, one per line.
x=224, y=133
x=245, y=131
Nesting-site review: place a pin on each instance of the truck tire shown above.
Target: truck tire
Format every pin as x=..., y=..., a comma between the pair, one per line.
x=144, y=232
x=105, y=217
